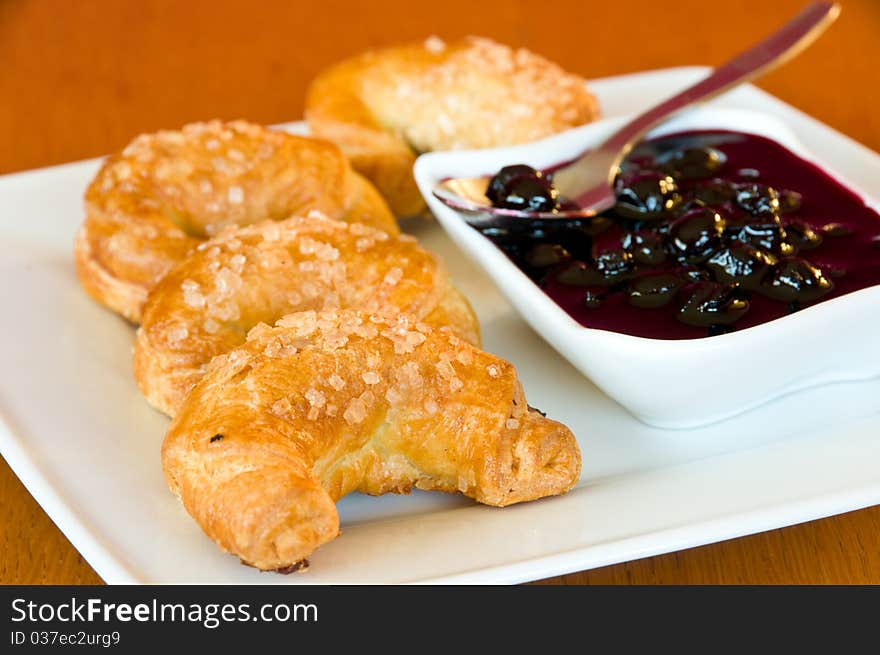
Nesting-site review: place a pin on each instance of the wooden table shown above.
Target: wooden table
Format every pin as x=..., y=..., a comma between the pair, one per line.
x=79, y=79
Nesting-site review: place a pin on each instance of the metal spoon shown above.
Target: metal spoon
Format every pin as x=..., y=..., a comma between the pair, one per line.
x=588, y=181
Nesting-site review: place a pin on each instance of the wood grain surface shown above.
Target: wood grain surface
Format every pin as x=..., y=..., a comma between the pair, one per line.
x=80, y=78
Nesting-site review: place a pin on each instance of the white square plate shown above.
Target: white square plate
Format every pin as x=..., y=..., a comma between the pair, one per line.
x=76, y=431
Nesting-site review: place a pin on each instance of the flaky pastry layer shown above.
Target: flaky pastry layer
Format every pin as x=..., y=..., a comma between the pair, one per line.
x=259, y=273
x=327, y=403
x=384, y=107
x=165, y=193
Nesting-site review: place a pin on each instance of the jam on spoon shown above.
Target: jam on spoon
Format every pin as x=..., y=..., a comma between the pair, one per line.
x=713, y=231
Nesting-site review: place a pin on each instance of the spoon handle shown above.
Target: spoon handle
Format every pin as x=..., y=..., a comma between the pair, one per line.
x=776, y=49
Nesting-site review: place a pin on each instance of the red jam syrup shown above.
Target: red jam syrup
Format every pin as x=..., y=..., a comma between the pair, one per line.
x=713, y=231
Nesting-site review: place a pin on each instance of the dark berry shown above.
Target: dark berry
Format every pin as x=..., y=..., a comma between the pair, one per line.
x=607, y=268
x=710, y=303
x=579, y=274
x=740, y=263
x=592, y=300
x=636, y=162
x=692, y=163
x=614, y=264
x=533, y=194
x=801, y=236
x=576, y=236
x=498, y=184
x=694, y=236
x=790, y=201
x=794, y=279
x=720, y=328
x=578, y=245
x=749, y=173
x=714, y=192
x=764, y=232
x=693, y=273
x=494, y=233
x=545, y=255
x=757, y=199
x=646, y=195
x=650, y=291
x=648, y=248
x=596, y=225
x=837, y=230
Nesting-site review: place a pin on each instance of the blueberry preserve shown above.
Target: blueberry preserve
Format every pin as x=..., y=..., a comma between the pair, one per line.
x=713, y=231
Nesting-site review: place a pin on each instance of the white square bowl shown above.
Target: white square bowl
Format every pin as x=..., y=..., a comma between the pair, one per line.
x=673, y=383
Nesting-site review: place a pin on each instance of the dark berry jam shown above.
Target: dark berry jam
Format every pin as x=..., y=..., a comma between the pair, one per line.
x=713, y=231
x=522, y=187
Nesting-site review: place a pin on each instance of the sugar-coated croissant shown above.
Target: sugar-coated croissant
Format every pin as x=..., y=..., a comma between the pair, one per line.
x=259, y=273
x=332, y=402
x=165, y=193
x=384, y=107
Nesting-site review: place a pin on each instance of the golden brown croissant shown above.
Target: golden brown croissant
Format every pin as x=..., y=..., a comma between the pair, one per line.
x=151, y=204
x=333, y=402
x=259, y=273
x=386, y=106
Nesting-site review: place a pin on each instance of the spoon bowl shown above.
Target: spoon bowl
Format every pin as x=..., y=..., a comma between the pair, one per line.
x=468, y=195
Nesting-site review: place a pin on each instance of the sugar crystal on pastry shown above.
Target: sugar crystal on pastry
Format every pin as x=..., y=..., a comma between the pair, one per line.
x=435, y=44
x=281, y=407
x=364, y=243
x=178, y=333
x=444, y=365
x=394, y=396
x=365, y=330
x=335, y=339
x=272, y=233
x=316, y=400
x=257, y=331
x=279, y=348
x=393, y=276
x=237, y=262
x=192, y=294
x=408, y=376
x=371, y=377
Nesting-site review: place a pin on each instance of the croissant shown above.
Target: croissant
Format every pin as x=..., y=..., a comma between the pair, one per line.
x=261, y=272
x=151, y=204
x=385, y=107
x=331, y=402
